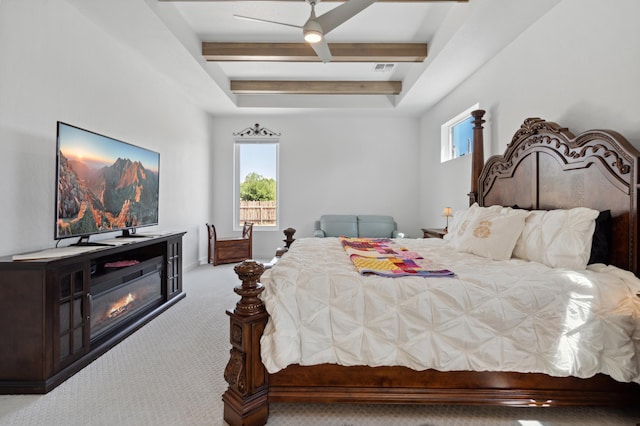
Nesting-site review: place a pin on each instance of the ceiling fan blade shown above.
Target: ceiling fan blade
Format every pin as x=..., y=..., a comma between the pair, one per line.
x=322, y=50
x=248, y=18
x=341, y=14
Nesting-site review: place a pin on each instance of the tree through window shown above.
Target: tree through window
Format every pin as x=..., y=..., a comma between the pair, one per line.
x=256, y=183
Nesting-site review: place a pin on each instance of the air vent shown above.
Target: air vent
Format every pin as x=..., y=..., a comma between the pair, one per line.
x=383, y=67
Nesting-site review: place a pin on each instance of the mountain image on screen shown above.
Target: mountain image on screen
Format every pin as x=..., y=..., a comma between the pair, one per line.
x=122, y=195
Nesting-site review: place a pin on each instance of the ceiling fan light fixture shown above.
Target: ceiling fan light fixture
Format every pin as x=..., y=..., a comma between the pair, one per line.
x=312, y=31
x=312, y=36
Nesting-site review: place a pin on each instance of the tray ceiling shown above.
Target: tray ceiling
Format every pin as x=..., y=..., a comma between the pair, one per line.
x=395, y=56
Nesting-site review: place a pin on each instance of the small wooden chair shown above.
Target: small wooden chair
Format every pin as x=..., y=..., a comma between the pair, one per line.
x=230, y=249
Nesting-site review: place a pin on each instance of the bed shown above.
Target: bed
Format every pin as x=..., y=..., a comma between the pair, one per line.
x=544, y=168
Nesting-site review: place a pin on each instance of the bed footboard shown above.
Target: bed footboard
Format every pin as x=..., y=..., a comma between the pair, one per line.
x=251, y=388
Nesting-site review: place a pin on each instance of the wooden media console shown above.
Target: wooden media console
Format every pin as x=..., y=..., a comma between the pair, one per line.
x=58, y=314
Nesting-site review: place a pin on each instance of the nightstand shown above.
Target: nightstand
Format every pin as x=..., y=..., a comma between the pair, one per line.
x=433, y=232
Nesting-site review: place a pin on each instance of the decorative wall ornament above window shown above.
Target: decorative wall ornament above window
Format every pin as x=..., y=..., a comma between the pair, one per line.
x=256, y=130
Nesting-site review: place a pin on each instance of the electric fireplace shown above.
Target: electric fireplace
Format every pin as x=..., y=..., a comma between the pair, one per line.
x=124, y=296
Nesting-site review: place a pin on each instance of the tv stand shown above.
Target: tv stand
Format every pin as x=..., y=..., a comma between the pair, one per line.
x=47, y=308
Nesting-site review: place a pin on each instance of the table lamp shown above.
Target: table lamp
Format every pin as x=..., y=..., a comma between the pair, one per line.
x=447, y=212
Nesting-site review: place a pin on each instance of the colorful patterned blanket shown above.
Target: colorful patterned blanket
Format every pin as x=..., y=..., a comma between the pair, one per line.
x=383, y=256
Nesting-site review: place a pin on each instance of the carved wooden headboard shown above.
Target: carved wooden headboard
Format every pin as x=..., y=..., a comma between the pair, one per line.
x=546, y=167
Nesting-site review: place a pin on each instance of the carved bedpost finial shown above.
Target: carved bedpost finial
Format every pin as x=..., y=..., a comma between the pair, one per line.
x=288, y=233
x=249, y=273
x=478, y=153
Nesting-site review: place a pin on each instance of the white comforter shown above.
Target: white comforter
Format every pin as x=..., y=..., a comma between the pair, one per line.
x=495, y=315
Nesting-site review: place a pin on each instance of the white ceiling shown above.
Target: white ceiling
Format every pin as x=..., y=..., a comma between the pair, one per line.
x=461, y=37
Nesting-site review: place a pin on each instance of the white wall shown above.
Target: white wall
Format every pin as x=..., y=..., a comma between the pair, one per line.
x=56, y=65
x=578, y=66
x=328, y=165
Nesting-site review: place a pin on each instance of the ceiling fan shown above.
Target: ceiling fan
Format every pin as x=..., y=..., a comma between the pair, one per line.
x=316, y=28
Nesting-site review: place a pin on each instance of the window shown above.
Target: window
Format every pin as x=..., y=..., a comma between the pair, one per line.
x=256, y=183
x=457, y=136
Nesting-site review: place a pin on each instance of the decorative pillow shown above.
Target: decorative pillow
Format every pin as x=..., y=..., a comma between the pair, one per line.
x=601, y=242
x=558, y=238
x=493, y=234
x=462, y=218
x=459, y=217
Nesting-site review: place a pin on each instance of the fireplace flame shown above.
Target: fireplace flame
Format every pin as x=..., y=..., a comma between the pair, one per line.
x=120, y=306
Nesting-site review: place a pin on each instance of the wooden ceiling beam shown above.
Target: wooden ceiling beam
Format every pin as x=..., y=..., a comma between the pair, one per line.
x=302, y=52
x=281, y=87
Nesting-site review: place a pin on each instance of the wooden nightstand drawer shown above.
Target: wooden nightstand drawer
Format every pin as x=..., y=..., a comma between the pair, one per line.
x=433, y=232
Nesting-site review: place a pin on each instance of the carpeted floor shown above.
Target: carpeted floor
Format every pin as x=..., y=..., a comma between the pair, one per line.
x=170, y=372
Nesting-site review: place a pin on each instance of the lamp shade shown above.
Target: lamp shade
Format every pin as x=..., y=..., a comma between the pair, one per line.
x=447, y=212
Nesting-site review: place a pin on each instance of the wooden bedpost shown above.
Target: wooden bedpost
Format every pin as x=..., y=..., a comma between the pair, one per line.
x=245, y=401
x=478, y=154
x=288, y=233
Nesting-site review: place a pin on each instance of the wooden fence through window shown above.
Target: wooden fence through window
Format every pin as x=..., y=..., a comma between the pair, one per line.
x=261, y=213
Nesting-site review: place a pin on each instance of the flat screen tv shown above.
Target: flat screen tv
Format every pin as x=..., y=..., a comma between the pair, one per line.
x=103, y=185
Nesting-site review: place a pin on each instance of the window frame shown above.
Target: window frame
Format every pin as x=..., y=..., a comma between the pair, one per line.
x=446, y=135
x=237, y=179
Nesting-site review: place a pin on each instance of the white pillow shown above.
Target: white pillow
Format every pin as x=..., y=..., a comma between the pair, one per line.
x=493, y=234
x=558, y=238
x=462, y=218
x=459, y=217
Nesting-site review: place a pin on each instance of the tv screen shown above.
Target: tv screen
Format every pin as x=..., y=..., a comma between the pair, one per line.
x=103, y=184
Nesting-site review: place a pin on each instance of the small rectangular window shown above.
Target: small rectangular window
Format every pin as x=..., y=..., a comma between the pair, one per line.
x=457, y=136
x=256, y=183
